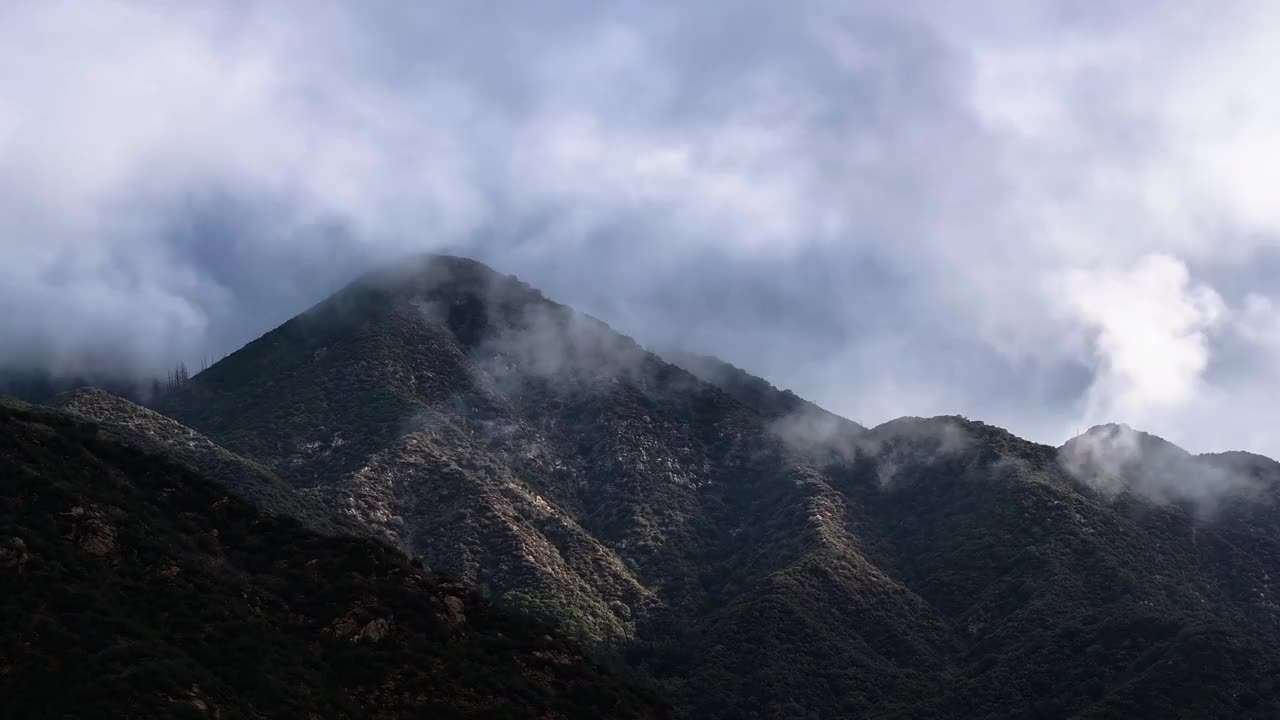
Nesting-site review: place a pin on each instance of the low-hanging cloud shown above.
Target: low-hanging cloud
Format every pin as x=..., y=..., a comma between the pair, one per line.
x=1116, y=459
x=1031, y=212
x=1149, y=330
x=911, y=444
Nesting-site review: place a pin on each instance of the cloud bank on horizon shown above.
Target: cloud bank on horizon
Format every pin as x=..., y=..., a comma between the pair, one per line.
x=1035, y=213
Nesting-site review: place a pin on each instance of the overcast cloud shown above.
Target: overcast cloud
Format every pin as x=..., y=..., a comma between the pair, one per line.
x=1040, y=214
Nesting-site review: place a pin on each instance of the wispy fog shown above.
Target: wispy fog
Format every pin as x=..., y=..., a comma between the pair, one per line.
x=1034, y=213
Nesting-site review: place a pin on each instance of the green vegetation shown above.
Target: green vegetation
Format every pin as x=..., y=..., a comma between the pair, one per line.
x=135, y=425
x=752, y=555
x=756, y=393
x=136, y=588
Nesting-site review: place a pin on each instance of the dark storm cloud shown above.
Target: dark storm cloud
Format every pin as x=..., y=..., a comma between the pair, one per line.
x=1024, y=212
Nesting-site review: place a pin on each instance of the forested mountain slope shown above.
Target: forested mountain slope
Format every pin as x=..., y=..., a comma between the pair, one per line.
x=135, y=588
x=753, y=562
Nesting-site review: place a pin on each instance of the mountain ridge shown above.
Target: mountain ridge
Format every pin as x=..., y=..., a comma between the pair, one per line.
x=934, y=567
x=147, y=590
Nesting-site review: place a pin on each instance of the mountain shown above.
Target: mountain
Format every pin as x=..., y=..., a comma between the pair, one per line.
x=798, y=421
x=757, y=393
x=131, y=424
x=134, y=587
x=748, y=552
x=1114, y=459
x=36, y=384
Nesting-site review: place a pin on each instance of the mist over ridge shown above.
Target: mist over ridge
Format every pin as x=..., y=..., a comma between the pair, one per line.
x=729, y=360
x=892, y=211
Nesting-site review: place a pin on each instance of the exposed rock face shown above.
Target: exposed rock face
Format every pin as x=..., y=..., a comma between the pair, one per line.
x=454, y=610
x=92, y=533
x=374, y=630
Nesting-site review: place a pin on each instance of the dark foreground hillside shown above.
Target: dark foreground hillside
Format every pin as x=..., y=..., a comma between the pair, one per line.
x=138, y=427
x=135, y=588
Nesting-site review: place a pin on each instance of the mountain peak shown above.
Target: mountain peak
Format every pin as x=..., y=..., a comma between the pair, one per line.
x=463, y=295
x=444, y=274
x=1115, y=458
x=535, y=453
x=1118, y=439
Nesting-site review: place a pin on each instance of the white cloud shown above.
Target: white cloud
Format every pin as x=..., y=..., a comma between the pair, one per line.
x=1148, y=331
x=900, y=178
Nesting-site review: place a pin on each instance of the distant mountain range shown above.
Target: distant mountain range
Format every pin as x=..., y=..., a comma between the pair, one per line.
x=736, y=550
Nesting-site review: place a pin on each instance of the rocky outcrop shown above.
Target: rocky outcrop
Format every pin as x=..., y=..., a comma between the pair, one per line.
x=91, y=532
x=454, y=610
x=13, y=554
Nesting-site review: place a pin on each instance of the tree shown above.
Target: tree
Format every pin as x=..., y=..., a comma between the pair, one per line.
x=178, y=376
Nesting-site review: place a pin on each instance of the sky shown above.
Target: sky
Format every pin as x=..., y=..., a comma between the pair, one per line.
x=1042, y=214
